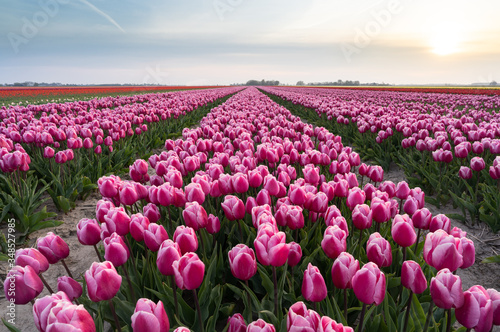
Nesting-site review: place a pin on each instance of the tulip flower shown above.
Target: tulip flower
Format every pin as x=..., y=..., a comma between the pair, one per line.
x=301, y=319
x=329, y=325
x=43, y=306
x=343, y=269
x=53, y=247
x=138, y=225
x=271, y=248
x=446, y=290
x=362, y=216
x=242, y=262
x=442, y=251
x=115, y=250
x=477, y=164
x=236, y=323
x=117, y=220
x=154, y=235
x=381, y=210
x=65, y=316
x=476, y=312
x=186, y=238
x=402, y=231
x=22, y=285
x=440, y=221
x=213, y=224
x=356, y=196
x=103, y=282
x=294, y=255
x=195, y=216
x=495, y=304
x=313, y=284
x=294, y=217
x=465, y=172
x=260, y=326
x=233, y=207
x=378, y=250
x=151, y=212
x=189, y=271
x=412, y=277
x=32, y=257
x=334, y=241
x=70, y=287
x=149, y=317
x=88, y=232
x=369, y=287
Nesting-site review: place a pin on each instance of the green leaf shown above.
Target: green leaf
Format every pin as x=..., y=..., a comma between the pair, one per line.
x=492, y=259
x=266, y=281
x=10, y=326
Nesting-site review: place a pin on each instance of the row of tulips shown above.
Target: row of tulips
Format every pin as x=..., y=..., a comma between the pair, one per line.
x=433, y=137
x=256, y=191
x=69, y=146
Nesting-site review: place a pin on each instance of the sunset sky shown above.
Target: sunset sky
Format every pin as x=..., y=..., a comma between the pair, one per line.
x=227, y=41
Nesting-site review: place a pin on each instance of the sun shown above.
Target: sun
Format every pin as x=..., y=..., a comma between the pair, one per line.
x=446, y=39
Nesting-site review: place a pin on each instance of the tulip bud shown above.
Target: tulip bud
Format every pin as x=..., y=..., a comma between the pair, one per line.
x=446, y=290
x=233, y=207
x=53, y=247
x=236, y=323
x=362, y=216
x=242, y=262
x=154, y=235
x=301, y=319
x=70, y=287
x=186, y=238
x=149, y=317
x=115, y=250
x=103, y=282
x=378, y=250
x=42, y=307
x=195, y=216
x=402, y=231
x=440, y=221
x=32, y=257
x=313, y=284
x=476, y=311
x=188, y=271
x=369, y=284
x=412, y=277
x=343, y=269
x=213, y=224
x=442, y=251
x=334, y=241
x=260, y=326
x=477, y=164
x=495, y=305
x=26, y=283
x=295, y=254
x=421, y=218
x=88, y=232
x=65, y=316
x=271, y=247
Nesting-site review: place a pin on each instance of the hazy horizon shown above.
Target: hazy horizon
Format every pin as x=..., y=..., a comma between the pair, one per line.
x=209, y=42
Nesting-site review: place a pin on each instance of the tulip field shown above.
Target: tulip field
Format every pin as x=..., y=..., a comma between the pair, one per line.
x=253, y=209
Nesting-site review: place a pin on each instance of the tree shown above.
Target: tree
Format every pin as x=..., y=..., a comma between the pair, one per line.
x=300, y=83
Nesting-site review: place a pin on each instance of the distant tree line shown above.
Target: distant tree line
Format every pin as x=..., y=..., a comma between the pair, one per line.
x=263, y=82
x=342, y=83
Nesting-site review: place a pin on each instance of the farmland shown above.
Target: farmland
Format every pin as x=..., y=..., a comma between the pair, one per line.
x=251, y=209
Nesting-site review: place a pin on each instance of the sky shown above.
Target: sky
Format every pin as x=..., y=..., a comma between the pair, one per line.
x=207, y=42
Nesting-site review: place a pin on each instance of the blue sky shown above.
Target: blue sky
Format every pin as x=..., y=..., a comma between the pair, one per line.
x=226, y=41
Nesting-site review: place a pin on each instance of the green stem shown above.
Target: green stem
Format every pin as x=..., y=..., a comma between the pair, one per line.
x=198, y=309
x=407, y=315
x=275, y=292
x=249, y=304
x=117, y=322
x=429, y=314
x=345, y=304
x=174, y=289
x=448, y=320
x=46, y=284
x=362, y=318
x=66, y=267
x=98, y=253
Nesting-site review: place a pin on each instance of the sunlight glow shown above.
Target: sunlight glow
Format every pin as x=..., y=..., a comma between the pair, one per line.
x=446, y=39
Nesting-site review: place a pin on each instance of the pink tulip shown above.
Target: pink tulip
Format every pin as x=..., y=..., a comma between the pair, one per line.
x=402, y=231
x=297, y=195
x=233, y=207
x=468, y=252
x=465, y=172
x=43, y=306
x=154, y=235
x=311, y=174
x=117, y=220
x=446, y=290
x=369, y=284
x=477, y=164
x=115, y=250
x=440, y=221
x=151, y=212
x=476, y=312
x=22, y=285
x=213, y=224
x=271, y=185
x=186, y=238
x=381, y=210
x=65, y=316
x=70, y=287
x=378, y=250
x=343, y=269
x=412, y=277
x=195, y=216
x=419, y=195
x=442, y=251
x=301, y=319
x=103, y=282
x=402, y=190
x=53, y=247
x=270, y=247
x=329, y=325
x=421, y=218
x=236, y=323
x=495, y=304
x=194, y=193
x=294, y=217
x=313, y=284
x=88, y=232
x=128, y=195
x=188, y=271
x=168, y=253
x=356, y=196
x=260, y=326
x=334, y=241
x=295, y=254
x=362, y=216
x=138, y=225
x=32, y=257
x=149, y=317
x=242, y=262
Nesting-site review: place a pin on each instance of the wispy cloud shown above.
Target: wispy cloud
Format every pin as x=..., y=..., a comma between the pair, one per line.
x=103, y=14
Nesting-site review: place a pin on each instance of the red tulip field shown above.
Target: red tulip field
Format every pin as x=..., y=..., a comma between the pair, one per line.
x=245, y=209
